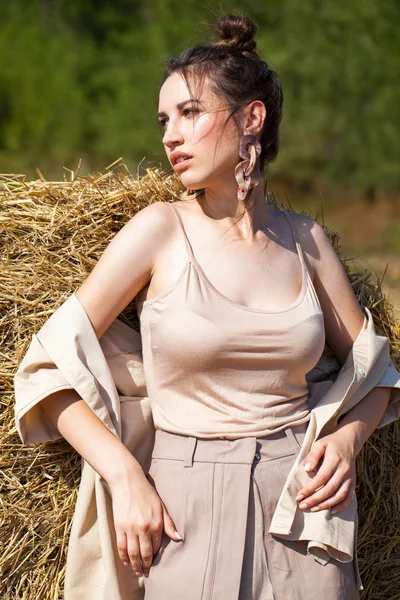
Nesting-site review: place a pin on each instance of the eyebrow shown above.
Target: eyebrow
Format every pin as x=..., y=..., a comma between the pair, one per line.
x=180, y=106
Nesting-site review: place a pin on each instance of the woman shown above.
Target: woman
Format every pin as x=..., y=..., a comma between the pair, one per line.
x=246, y=296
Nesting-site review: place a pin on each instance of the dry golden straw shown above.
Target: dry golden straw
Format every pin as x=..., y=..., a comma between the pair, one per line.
x=52, y=234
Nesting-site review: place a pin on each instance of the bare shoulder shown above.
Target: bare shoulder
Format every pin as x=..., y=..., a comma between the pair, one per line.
x=313, y=240
x=158, y=225
x=343, y=316
x=127, y=264
x=148, y=231
x=316, y=244
x=156, y=217
x=319, y=250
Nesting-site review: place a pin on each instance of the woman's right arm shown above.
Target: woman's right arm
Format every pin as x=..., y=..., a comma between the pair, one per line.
x=139, y=514
x=125, y=267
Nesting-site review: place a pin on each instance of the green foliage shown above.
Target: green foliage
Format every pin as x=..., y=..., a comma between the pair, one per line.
x=79, y=79
x=42, y=104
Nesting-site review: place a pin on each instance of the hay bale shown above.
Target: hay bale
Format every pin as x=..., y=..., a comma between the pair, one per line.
x=52, y=235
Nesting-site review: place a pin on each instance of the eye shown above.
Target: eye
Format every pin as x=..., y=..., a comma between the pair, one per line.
x=190, y=111
x=186, y=112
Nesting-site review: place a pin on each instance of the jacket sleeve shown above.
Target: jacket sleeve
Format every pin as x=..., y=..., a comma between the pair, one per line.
x=373, y=366
x=66, y=354
x=391, y=379
x=36, y=378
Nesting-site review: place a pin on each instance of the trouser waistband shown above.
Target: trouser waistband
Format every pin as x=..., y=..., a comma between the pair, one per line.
x=191, y=449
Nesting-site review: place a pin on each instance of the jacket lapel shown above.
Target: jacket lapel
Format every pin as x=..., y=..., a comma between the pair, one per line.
x=332, y=535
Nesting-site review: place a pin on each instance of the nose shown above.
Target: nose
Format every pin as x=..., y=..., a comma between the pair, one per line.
x=172, y=135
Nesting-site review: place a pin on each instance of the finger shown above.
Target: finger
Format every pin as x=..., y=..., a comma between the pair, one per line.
x=312, y=459
x=328, y=467
x=327, y=490
x=340, y=495
x=146, y=550
x=169, y=526
x=134, y=554
x=122, y=547
x=156, y=541
x=346, y=502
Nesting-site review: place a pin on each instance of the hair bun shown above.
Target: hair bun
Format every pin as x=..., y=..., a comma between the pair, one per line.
x=236, y=32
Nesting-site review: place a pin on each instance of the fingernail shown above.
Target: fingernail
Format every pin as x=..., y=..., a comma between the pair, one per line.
x=126, y=564
x=299, y=497
x=303, y=505
x=178, y=535
x=138, y=574
x=314, y=508
x=308, y=466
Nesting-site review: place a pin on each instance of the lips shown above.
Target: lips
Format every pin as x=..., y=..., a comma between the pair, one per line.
x=181, y=159
x=177, y=157
x=181, y=163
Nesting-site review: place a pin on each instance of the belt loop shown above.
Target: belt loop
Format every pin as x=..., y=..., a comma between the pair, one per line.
x=292, y=439
x=189, y=454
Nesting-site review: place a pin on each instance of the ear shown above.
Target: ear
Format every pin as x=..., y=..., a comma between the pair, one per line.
x=255, y=115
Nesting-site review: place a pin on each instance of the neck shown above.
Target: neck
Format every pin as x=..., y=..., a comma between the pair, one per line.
x=251, y=214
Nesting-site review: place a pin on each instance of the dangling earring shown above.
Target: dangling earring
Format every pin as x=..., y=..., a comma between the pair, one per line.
x=247, y=174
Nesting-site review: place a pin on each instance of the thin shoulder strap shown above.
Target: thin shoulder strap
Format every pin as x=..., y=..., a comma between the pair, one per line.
x=294, y=234
x=188, y=246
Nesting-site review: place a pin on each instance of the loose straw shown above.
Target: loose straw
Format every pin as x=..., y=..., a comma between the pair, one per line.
x=52, y=234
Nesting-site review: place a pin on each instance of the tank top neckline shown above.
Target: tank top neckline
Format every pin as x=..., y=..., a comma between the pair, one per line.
x=191, y=260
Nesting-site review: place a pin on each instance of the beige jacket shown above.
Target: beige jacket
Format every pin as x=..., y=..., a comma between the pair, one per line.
x=108, y=374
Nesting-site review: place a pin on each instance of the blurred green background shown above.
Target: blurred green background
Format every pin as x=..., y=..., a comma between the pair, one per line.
x=79, y=80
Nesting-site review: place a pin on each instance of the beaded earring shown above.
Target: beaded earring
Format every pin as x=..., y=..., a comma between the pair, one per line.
x=247, y=173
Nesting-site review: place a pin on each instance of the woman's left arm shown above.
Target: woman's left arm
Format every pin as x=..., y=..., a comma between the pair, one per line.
x=333, y=485
x=337, y=474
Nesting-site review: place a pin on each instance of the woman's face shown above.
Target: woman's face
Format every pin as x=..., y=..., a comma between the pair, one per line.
x=193, y=127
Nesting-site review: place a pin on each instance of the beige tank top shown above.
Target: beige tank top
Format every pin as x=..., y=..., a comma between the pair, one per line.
x=215, y=368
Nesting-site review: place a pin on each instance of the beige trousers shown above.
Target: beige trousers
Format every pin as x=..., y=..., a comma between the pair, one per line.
x=221, y=495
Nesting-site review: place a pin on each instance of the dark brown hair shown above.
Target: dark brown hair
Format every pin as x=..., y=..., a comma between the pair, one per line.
x=237, y=73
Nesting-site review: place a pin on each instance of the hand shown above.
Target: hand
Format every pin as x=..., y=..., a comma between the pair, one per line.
x=334, y=483
x=140, y=517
